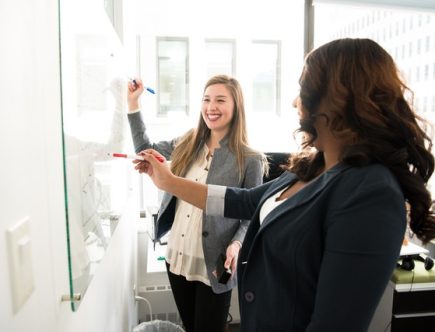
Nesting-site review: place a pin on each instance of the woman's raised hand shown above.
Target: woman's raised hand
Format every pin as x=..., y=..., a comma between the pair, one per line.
x=134, y=89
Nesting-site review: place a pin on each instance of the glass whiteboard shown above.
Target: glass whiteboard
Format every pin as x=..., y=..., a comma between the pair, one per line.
x=97, y=187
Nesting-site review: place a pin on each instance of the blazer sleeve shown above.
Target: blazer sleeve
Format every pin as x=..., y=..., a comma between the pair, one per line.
x=253, y=177
x=364, y=233
x=141, y=140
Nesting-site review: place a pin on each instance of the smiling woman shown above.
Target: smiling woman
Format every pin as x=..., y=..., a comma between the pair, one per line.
x=217, y=108
x=217, y=152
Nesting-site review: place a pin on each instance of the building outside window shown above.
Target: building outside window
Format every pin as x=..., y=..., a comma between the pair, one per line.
x=413, y=61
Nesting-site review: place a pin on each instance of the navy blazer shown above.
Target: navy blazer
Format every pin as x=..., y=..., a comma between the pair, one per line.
x=321, y=260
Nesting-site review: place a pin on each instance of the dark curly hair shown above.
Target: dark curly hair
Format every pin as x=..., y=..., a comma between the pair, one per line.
x=365, y=97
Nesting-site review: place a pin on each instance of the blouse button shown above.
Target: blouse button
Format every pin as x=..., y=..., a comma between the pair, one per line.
x=205, y=234
x=249, y=296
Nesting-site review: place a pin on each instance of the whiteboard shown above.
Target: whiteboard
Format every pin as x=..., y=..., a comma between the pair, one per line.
x=94, y=125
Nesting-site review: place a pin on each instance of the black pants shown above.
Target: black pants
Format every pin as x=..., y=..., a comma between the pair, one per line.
x=200, y=309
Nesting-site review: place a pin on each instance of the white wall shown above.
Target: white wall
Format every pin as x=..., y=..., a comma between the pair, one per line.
x=31, y=184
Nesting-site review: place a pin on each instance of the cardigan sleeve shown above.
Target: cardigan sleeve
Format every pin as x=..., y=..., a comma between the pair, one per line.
x=253, y=177
x=141, y=141
x=363, y=235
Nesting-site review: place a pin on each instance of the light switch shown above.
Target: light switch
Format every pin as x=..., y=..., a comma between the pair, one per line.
x=20, y=262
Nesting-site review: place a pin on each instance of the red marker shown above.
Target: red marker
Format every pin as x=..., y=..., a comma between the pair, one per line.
x=134, y=156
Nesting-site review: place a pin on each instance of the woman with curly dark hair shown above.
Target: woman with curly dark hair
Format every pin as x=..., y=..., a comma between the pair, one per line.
x=326, y=235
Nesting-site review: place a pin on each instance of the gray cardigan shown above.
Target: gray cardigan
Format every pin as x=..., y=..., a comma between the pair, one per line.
x=217, y=232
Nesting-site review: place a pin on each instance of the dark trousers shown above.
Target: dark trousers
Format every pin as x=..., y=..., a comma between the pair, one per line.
x=200, y=309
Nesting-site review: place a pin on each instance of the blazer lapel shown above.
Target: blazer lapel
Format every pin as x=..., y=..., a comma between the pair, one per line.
x=306, y=194
x=303, y=196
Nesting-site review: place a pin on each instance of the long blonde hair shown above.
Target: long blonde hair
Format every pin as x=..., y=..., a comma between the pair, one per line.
x=190, y=145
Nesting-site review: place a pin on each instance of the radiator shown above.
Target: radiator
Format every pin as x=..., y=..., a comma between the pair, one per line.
x=162, y=304
x=164, y=308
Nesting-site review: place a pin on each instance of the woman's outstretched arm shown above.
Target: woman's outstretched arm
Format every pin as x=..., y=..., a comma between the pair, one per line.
x=159, y=172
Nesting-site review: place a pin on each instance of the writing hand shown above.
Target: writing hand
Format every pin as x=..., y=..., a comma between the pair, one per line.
x=134, y=89
x=155, y=166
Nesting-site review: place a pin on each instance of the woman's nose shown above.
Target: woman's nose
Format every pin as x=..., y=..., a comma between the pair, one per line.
x=295, y=102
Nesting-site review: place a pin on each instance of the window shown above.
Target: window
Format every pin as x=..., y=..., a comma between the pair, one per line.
x=265, y=64
x=173, y=82
x=220, y=57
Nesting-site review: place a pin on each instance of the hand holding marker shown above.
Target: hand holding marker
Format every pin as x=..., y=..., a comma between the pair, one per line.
x=134, y=156
x=145, y=87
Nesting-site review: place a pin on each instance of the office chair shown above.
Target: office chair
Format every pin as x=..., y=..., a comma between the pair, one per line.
x=408, y=262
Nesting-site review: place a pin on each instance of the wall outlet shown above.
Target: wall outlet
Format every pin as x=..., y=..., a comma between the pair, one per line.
x=20, y=263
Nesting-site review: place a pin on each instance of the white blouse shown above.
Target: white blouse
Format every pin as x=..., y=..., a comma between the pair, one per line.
x=270, y=204
x=184, y=253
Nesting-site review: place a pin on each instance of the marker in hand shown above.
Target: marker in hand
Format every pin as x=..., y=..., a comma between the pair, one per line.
x=150, y=90
x=145, y=87
x=135, y=156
